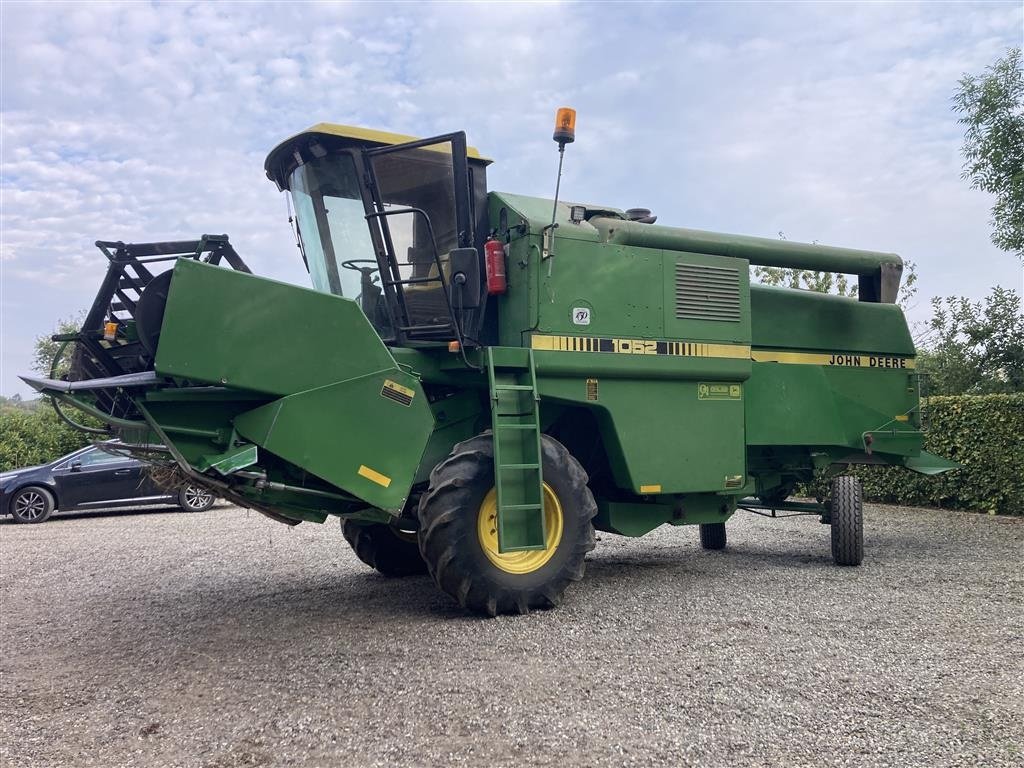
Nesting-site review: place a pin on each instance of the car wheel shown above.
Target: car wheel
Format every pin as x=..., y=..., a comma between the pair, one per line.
x=194, y=498
x=31, y=505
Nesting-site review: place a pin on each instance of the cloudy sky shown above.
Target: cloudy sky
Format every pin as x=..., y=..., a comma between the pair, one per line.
x=828, y=122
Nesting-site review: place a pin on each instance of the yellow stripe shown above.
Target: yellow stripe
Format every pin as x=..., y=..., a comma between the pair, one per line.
x=833, y=360
x=650, y=488
x=676, y=348
x=374, y=475
x=734, y=351
x=727, y=351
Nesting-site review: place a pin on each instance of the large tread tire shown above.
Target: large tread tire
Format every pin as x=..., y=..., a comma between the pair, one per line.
x=383, y=549
x=30, y=505
x=847, y=518
x=712, y=535
x=450, y=543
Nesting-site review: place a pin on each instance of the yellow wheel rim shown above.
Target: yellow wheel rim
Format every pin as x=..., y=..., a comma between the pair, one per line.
x=526, y=561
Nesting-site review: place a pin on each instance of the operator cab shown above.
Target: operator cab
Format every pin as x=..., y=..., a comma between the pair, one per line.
x=393, y=222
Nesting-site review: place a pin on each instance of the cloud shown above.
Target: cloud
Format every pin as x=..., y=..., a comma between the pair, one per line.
x=140, y=121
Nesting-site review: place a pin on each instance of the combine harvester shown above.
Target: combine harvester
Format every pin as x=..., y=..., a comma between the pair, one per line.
x=479, y=380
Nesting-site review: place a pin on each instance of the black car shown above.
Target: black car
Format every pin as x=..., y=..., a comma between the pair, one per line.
x=90, y=478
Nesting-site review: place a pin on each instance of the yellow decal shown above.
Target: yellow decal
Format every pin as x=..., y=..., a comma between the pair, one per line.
x=650, y=489
x=903, y=417
x=591, y=389
x=395, y=391
x=374, y=475
x=832, y=359
x=639, y=346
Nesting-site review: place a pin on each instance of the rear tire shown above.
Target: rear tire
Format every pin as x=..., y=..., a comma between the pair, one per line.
x=712, y=535
x=461, y=553
x=383, y=548
x=32, y=504
x=847, y=518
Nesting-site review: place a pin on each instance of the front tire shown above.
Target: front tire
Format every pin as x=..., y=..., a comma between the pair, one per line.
x=459, y=545
x=847, y=517
x=193, y=498
x=387, y=550
x=31, y=505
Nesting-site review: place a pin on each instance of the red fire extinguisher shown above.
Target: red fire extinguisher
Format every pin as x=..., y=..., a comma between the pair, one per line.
x=494, y=265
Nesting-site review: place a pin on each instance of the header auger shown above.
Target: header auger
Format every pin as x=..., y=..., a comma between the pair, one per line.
x=478, y=380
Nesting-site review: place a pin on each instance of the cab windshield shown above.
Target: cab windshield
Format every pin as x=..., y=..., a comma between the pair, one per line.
x=332, y=222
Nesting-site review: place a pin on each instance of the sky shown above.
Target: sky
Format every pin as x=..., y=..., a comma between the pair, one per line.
x=827, y=122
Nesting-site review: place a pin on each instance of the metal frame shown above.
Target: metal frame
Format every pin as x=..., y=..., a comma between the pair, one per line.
x=117, y=301
x=794, y=508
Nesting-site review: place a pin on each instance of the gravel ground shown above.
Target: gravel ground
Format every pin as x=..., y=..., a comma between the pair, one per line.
x=224, y=639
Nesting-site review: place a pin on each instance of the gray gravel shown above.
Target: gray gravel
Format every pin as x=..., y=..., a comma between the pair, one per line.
x=224, y=639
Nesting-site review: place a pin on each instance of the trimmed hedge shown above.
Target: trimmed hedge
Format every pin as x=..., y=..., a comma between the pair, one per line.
x=984, y=433
x=35, y=436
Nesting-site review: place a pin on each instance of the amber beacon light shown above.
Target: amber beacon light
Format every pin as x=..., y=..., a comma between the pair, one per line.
x=565, y=126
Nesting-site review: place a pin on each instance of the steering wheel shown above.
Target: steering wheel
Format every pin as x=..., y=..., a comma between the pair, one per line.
x=353, y=265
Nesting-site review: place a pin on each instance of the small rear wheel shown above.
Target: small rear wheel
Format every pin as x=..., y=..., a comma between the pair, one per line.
x=388, y=550
x=31, y=505
x=712, y=535
x=846, y=513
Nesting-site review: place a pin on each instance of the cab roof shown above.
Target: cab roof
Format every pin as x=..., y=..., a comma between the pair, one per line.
x=282, y=159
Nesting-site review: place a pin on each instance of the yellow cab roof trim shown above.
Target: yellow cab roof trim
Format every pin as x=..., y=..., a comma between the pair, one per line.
x=276, y=164
x=380, y=137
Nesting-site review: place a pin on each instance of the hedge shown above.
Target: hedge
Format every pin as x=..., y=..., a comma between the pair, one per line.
x=35, y=436
x=981, y=432
x=985, y=434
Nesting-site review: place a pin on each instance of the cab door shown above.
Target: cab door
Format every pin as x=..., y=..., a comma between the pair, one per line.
x=420, y=216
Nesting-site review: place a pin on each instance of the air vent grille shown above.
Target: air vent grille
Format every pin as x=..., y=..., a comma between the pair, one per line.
x=707, y=293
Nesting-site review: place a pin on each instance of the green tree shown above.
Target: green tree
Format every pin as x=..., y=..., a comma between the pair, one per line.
x=830, y=282
x=975, y=347
x=992, y=109
x=46, y=349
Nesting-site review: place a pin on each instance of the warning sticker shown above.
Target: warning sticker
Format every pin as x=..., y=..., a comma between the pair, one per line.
x=709, y=391
x=395, y=391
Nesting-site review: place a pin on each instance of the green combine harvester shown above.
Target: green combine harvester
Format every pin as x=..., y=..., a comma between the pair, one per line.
x=478, y=380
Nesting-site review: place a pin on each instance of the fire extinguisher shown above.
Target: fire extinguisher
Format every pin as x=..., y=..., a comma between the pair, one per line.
x=494, y=266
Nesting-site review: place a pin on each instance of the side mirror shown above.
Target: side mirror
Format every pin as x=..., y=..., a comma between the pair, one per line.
x=464, y=264
x=76, y=466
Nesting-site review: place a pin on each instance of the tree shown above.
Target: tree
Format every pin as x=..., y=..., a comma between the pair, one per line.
x=975, y=347
x=46, y=348
x=992, y=109
x=830, y=282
